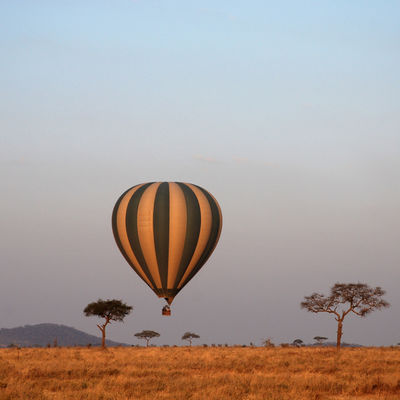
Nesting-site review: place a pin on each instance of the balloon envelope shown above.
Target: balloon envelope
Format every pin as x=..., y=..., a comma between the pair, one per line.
x=166, y=231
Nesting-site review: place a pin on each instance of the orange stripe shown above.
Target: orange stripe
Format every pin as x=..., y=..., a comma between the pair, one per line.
x=177, y=231
x=205, y=229
x=146, y=231
x=123, y=236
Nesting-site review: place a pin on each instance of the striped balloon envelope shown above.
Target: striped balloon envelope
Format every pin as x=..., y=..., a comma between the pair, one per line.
x=166, y=231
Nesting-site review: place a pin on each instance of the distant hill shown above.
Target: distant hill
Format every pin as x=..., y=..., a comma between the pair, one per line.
x=43, y=334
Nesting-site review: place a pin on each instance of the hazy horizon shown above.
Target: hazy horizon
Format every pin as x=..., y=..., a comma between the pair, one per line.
x=287, y=113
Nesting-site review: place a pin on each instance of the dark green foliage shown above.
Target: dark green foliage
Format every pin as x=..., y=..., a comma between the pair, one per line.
x=111, y=310
x=357, y=298
x=189, y=336
x=320, y=339
x=297, y=343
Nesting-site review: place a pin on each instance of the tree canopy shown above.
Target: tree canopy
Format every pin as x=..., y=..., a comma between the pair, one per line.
x=320, y=339
x=147, y=335
x=189, y=336
x=297, y=343
x=112, y=310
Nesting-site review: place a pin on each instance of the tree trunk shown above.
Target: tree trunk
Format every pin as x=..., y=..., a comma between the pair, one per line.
x=339, y=334
x=103, y=335
x=103, y=338
x=147, y=342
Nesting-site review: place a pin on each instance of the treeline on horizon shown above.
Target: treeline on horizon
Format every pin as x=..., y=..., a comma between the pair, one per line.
x=357, y=298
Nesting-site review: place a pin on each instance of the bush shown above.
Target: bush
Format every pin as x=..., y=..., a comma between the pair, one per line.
x=268, y=343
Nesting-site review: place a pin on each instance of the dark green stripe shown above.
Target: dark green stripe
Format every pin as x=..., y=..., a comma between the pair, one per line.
x=132, y=230
x=212, y=241
x=192, y=230
x=166, y=292
x=114, y=223
x=115, y=232
x=114, y=216
x=161, y=230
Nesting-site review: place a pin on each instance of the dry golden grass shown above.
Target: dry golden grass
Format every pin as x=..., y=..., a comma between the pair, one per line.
x=199, y=373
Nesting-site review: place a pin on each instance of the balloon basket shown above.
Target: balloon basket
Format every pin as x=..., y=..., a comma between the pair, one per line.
x=166, y=311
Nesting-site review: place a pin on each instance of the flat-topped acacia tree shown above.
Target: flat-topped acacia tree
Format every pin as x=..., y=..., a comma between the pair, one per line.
x=110, y=310
x=189, y=336
x=297, y=343
x=320, y=339
x=357, y=298
x=147, y=336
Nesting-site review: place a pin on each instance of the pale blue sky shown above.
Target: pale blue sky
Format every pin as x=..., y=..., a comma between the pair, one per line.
x=292, y=107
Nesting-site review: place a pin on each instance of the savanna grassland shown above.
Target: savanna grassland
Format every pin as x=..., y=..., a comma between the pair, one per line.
x=180, y=373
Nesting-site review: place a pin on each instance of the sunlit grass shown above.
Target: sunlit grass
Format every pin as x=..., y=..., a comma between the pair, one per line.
x=200, y=373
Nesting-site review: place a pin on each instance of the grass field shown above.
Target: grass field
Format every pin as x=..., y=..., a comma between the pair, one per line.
x=180, y=373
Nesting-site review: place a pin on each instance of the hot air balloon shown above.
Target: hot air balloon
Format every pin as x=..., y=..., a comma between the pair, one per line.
x=166, y=231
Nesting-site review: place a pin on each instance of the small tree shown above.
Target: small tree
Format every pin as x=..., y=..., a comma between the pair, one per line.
x=297, y=343
x=110, y=310
x=357, y=298
x=268, y=342
x=147, y=335
x=189, y=336
x=320, y=339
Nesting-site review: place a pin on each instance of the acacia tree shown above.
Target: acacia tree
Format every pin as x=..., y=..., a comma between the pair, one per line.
x=297, y=343
x=147, y=335
x=357, y=298
x=320, y=339
x=189, y=336
x=268, y=342
x=110, y=310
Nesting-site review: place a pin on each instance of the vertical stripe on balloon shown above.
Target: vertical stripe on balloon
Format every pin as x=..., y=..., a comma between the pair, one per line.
x=161, y=230
x=177, y=231
x=145, y=226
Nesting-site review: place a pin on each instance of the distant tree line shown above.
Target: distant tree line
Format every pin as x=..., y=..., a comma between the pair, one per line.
x=344, y=298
